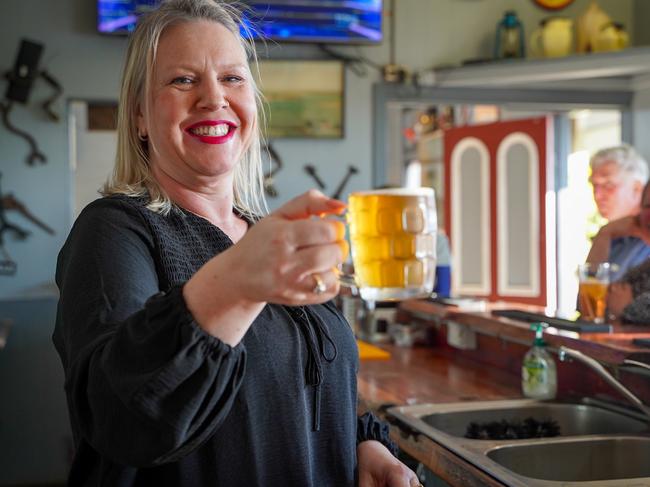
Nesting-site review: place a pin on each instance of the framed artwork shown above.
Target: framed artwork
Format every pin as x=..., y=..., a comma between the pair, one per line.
x=304, y=99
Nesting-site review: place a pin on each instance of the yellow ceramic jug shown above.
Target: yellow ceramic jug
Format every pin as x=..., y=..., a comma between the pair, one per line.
x=612, y=37
x=589, y=25
x=554, y=38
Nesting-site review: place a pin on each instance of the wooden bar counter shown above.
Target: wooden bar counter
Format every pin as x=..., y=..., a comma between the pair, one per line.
x=421, y=375
x=424, y=374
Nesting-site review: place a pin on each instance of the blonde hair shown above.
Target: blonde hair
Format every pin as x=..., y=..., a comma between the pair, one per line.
x=132, y=173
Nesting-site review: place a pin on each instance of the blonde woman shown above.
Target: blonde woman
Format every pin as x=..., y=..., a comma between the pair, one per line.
x=199, y=342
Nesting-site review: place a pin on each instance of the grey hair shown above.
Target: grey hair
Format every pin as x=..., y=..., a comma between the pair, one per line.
x=626, y=158
x=132, y=173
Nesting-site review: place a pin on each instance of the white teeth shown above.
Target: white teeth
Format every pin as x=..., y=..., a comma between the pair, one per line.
x=211, y=130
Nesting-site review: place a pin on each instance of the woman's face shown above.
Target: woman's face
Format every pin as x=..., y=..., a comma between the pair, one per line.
x=201, y=104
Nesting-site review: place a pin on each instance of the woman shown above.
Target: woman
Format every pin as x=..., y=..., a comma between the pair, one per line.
x=198, y=340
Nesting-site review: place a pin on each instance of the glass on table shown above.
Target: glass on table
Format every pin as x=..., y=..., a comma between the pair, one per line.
x=594, y=279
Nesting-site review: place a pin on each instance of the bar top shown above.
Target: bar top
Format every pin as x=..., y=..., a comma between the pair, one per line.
x=613, y=347
x=422, y=374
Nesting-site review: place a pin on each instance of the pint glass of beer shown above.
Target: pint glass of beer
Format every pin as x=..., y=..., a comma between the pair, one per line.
x=592, y=291
x=393, y=242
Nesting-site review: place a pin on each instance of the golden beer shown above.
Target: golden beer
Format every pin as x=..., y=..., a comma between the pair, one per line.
x=592, y=291
x=393, y=242
x=592, y=295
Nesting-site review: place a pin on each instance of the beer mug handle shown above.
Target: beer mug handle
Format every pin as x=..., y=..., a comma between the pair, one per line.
x=347, y=280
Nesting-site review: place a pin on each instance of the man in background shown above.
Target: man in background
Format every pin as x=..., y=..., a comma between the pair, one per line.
x=618, y=176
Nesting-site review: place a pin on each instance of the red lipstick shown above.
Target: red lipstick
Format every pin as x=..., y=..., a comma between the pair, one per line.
x=212, y=139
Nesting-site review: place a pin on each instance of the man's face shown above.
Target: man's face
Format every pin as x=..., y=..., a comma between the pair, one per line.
x=616, y=193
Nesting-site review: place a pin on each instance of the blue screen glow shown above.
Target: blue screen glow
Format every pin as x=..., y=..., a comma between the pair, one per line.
x=318, y=21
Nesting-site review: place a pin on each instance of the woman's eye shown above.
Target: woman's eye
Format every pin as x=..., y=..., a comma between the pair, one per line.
x=233, y=79
x=182, y=80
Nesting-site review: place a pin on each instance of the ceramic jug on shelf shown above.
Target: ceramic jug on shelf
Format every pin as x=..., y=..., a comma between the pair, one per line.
x=589, y=25
x=553, y=38
x=611, y=37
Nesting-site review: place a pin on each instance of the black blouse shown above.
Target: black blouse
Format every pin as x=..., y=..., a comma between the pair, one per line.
x=154, y=400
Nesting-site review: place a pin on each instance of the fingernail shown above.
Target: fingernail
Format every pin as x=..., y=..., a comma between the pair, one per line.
x=335, y=203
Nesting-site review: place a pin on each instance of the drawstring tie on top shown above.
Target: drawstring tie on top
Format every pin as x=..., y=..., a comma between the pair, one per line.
x=316, y=335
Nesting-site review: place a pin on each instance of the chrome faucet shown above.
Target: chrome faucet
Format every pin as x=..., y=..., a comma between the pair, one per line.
x=563, y=352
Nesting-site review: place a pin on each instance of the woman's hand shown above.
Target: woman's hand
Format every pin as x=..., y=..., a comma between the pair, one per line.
x=280, y=255
x=379, y=468
x=619, y=295
x=275, y=262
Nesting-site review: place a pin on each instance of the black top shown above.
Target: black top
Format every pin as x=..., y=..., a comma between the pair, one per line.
x=154, y=400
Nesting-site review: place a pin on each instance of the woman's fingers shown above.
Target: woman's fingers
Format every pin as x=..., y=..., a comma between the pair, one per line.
x=311, y=203
x=322, y=283
x=318, y=258
x=280, y=254
x=315, y=231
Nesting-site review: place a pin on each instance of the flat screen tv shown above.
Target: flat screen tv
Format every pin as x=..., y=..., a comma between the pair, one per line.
x=316, y=21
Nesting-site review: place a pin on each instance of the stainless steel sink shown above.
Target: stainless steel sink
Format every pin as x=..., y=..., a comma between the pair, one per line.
x=573, y=419
x=577, y=460
x=598, y=444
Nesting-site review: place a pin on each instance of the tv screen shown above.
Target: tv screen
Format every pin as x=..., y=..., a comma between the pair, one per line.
x=317, y=21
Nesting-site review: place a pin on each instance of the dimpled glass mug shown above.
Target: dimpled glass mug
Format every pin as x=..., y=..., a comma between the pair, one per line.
x=393, y=242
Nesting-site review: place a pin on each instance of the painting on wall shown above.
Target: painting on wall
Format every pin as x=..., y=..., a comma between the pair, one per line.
x=304, y=98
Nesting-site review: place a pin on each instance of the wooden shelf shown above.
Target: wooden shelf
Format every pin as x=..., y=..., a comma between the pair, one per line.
x=619, y=69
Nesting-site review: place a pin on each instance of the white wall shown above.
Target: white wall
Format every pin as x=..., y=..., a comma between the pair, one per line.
x=641, y=16
x=641, y=117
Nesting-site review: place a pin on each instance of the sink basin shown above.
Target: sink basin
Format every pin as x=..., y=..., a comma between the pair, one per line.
x=579, y=460
x=573, y=419
x=598, y=444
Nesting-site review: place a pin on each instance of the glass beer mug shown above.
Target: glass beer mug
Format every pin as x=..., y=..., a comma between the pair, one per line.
x=393, y=243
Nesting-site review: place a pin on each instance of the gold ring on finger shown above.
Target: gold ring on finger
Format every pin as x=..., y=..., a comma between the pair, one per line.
x=320, y=286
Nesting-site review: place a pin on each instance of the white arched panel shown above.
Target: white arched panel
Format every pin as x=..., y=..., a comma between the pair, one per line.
x=470, y=217
x=518, y=226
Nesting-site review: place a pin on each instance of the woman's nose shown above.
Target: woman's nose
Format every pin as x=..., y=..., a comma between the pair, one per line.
x=213, y=96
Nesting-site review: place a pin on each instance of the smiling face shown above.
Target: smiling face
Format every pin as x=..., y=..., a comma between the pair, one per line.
x=616, y=193
x=200, y=111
